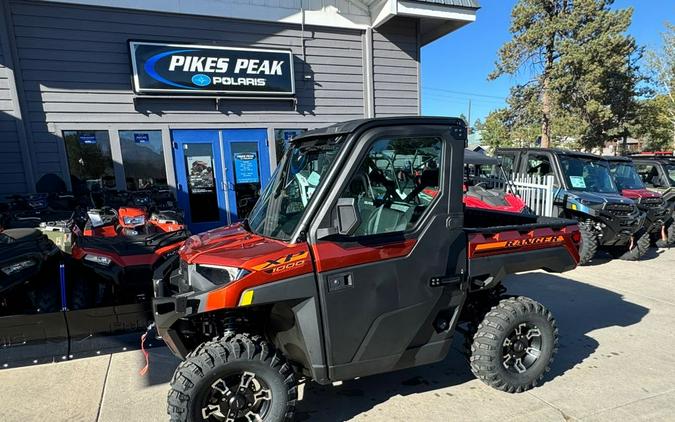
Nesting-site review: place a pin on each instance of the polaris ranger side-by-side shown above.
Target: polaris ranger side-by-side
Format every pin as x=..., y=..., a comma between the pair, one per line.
x=335, y=276
x=657, y=171
x=585, y=192
x=658, y=214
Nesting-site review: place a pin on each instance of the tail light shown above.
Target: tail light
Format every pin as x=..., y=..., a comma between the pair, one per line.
x=576, y=236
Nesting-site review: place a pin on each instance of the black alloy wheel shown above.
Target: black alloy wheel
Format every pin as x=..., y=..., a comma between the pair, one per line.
x=522, y=348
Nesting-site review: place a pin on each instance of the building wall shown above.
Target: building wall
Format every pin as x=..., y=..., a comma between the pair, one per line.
x=12, y=174
x=396, y=68
x=73, y=63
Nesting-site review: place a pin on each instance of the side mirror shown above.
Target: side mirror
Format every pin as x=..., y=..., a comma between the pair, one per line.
x=347, y=216
x=346, y=219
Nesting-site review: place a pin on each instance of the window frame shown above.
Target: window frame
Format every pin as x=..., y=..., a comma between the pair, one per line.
x=115, y=156
x=358, y=152
x=121, y=154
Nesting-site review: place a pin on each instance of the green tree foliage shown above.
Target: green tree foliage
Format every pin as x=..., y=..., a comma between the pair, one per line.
x=655, y=124
x=578, y=62
x=662, y=65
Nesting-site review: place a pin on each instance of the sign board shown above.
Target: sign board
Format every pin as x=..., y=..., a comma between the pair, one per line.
x=198, y=69
x=87, y=138
x=141, y=138
x=246, y=167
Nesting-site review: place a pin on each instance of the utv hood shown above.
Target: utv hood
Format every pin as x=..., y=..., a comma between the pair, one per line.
x=596, y=198
x=231, y=246
x=639, y=193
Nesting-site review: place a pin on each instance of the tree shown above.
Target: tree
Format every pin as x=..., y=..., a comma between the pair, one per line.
x=654, y=124
x=662, y=64
x=579, y=60
x=494, y=131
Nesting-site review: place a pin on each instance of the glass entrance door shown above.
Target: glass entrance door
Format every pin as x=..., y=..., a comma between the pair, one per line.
x=199, y=176
x=247, y=168
x=219, y=174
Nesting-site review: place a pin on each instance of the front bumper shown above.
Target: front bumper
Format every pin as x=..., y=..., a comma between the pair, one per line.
x=620, y=225
x=169, y=305
x=657, y=216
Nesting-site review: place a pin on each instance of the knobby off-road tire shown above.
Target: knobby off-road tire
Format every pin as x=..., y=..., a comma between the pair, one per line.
x=640, y=248
x=230, y=376
x=589, y=243
x=514, y=345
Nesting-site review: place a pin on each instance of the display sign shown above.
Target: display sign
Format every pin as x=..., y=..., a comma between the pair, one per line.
x=197, y=69
x=141, y=138
x=200, y=171
x=246, y=167
x=87, y=138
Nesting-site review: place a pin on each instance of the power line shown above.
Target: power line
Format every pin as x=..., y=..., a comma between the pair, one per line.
x=469, y=94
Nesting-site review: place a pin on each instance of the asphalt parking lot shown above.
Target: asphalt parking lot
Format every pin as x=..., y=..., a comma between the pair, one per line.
x=616, y=362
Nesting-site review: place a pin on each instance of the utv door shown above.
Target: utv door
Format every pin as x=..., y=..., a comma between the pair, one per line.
x=379, y=308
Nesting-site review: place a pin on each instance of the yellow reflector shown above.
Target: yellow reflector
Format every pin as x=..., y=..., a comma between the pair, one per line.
x=246, y=298
x=574, y=206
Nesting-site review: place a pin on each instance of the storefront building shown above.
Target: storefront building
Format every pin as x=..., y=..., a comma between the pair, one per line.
x=200, y=96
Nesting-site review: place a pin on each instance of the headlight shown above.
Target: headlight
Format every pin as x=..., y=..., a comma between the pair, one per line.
x=98, y=259
x=19, y=266
x=134, y=221
x=217, y=274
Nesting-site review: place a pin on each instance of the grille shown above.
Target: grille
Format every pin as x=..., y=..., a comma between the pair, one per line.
x=620, y=210
x=651, y=202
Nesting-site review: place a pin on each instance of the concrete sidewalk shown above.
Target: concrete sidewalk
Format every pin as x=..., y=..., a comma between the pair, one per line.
x=616, y=362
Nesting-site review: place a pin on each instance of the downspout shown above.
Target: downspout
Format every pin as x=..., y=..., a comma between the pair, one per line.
x=368, y=78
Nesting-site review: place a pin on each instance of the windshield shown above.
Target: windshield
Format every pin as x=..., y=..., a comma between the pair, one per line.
x=282, y=204
x=587, y=174
x=625, y=176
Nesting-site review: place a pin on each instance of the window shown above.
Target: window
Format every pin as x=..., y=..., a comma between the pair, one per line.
x=281, y=139
x=539, y=164
x=587, y=174
x=143, y=158
x=395, y=184
x=625, y=176
x=89, y=158
x=508, y=161
x=649, y=173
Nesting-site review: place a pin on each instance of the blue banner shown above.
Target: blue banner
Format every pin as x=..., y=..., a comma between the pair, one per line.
x=88, y=138
x=246, y=167
x=141, y=138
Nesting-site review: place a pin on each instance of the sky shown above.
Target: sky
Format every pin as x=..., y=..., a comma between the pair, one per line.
x=455, y=67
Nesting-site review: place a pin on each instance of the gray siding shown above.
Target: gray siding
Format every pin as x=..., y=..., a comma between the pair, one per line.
x=12, y=174
x=395, y=68
x=75, y=70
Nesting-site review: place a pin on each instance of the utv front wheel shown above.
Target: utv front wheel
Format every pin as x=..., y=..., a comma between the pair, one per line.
x=670, y=236
x=589, y=243
x=514, y=345
x=640, y=248
x=233, y=378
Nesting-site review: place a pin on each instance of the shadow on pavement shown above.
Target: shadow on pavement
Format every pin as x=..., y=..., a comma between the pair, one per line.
x=578, y=307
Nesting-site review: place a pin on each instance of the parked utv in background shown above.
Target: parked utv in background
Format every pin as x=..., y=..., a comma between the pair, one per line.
x=658, y=214
x=657, y=171
x=585, y=192
x=355, y=277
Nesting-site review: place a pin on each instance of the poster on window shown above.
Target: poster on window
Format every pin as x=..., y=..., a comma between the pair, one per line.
x=246, y=167
x=200, y=171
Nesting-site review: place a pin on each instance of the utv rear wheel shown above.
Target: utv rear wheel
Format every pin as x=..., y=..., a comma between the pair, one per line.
x=589, y=243
x=640, y=247
x=514, y=345
x=237, y=377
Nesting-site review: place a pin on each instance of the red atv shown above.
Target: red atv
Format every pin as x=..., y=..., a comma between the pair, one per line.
x=485, y=185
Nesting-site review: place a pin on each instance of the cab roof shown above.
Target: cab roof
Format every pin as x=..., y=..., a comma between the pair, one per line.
x=558, y=151
x=351, y=126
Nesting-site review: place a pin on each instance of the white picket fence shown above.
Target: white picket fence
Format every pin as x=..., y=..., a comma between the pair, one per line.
x=536, y=191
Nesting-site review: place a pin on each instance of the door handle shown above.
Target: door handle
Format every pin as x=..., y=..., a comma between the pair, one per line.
x=340, y=282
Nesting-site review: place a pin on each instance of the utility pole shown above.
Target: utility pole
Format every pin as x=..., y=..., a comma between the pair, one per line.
x=469, y=119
